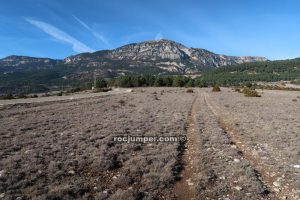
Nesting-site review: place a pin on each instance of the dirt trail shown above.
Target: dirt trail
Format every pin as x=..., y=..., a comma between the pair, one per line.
x=184, y=188
x=263, y=170
x=214, y=167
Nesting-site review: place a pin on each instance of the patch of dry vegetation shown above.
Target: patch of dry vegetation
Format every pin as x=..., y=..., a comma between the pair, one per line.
x=248, y=92
x=216, y=88
x=65, y=150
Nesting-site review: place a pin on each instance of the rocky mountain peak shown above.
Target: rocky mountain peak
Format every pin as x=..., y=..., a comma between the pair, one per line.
x=151, y=50
x=163, y=55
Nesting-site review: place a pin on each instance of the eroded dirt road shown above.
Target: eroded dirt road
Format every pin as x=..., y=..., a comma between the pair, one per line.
x=218, y=164
x=184, y=188
x=281, y=179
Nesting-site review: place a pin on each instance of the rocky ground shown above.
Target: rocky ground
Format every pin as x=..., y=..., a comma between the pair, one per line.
x=267, y=130
x=238, y=147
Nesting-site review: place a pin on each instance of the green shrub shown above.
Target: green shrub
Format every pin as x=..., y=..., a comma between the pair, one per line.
x=34, y=96
x=101, y=83
x=200, y=83
x=190, y=90
x=46, y=95
x=250, y=92
x=159, y=82
x=216, y=88
x=248, y=84
x=237, y=89
x=178, y=81
x=22, y=96
x=7, y=96
x=191, y=83
x=72, y=90
x=101, y=90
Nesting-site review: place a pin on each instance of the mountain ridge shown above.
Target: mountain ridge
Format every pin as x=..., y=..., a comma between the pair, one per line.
x=25, y=74
x=164, y=55
x=44, y=74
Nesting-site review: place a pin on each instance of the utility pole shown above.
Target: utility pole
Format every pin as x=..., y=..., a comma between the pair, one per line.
x=95, y=81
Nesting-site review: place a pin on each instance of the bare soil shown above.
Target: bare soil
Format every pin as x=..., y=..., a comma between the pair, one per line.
x=238, y=147
x=184, y=188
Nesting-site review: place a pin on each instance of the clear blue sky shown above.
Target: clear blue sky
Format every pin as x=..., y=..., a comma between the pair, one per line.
x=59, y=28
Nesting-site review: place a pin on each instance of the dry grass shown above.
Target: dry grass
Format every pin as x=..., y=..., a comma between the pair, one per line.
x=65, y=149
x=216, y=88
x=250, y=92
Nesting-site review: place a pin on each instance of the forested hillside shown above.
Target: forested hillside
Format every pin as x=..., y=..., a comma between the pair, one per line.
x=252, y=72
x=59, y=77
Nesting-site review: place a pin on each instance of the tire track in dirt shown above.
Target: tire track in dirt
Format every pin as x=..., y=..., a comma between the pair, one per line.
x=223, y=173
x=263, y=171
x=184, y=188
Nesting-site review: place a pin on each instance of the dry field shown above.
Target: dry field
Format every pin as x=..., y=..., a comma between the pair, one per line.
x=267, y=130
x=238, y=147
x=65, y=149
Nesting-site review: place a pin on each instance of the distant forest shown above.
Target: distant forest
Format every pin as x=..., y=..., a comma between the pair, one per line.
x=271, y=71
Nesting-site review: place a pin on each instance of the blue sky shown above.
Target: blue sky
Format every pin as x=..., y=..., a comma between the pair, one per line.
x=60, y=28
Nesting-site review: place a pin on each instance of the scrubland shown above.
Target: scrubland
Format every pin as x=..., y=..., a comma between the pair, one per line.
x=241, y=147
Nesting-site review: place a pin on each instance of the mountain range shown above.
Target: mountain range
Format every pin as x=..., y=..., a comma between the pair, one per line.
x=164, y=57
